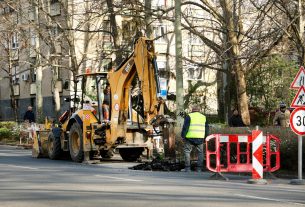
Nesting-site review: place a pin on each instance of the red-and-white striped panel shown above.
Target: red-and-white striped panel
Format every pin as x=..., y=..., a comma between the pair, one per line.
x=257, y=154
x=237, y=138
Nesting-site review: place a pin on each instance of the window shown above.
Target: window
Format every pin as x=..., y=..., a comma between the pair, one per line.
x=15, y=73
x=195, y=51
x=55, y=7
x=195, y=40
x=56, y=70
x=33, y=37
x=158, y=3
x=194, y=73
x=33, y=70
x=162, y=72
x=32, y=13
x=33, y=41
x=7, y=10
x=128, y=29
x=160, y=33
x=106, y=64
x=194, y=13
x=54, y=1
x=15, y=43
x=33, y=101
x=55, y=31
x=106, y=27
x=161, y=65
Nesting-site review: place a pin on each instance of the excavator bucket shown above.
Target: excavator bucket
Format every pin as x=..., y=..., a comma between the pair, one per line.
x=40, y=142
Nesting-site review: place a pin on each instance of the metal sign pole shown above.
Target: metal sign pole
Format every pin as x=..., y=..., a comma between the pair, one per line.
x=300, y=157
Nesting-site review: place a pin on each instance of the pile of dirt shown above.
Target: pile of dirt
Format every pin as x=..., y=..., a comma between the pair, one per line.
x=159, y=165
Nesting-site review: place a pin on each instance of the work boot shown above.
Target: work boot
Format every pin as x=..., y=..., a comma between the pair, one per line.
x=187, y=169
x=199, y=169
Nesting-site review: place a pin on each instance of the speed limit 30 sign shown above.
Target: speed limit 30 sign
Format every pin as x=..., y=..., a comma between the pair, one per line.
x=297, y=121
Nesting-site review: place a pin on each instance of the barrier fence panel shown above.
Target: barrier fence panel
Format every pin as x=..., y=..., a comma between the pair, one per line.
x=233, y=153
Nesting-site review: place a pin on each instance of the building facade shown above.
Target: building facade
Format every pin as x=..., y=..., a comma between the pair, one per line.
x=62, y=38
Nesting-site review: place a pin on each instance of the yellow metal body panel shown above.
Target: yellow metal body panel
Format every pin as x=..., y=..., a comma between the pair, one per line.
x=140, y=63
x=87, y=118
x=40, y=144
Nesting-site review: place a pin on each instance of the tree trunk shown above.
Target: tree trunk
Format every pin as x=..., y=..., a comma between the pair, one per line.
x=114, y=33
x=39, y=98
x=242, y=98
x=56, y=96
x=10, y=73
x=301, y=32
x=148, y=18
x=179, y=71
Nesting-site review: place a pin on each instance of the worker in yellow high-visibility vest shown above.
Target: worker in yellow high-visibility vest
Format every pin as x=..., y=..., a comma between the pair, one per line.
x=195, y=129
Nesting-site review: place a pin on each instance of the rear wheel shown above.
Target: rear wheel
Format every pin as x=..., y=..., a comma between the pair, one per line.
x=54, y=147
x=76, y=143
x=131, y=154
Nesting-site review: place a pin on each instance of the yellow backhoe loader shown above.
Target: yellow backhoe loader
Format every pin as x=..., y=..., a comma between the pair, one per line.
x=134, y=118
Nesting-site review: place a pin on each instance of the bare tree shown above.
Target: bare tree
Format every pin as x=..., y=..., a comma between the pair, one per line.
x=11, y=36
x=291, y=22
x=231, y=30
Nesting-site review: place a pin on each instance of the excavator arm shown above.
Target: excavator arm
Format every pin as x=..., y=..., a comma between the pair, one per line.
x=143, y=63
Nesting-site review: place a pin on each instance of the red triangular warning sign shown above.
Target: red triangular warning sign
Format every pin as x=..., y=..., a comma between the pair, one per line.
x=299, y=99
x=299, y=80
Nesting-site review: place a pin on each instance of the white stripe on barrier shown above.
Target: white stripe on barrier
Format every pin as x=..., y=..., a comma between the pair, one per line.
x=257, y=166
x=256, y=142
x=242, y=138
x=224, y=138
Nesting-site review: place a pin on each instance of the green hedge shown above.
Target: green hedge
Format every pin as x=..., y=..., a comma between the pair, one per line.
x=8, y=124
x=288, y=146
x=9, y=130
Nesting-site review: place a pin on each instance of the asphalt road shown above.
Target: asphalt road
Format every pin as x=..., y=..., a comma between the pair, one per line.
x=29, y=182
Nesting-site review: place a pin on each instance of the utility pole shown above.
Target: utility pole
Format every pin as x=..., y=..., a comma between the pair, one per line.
x=179, y=72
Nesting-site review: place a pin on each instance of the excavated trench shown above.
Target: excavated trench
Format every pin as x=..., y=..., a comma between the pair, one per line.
x=162, y=165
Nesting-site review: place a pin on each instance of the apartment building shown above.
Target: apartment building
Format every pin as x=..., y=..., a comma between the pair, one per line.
x=29, y=47
x=24, y=48
x=194, y=53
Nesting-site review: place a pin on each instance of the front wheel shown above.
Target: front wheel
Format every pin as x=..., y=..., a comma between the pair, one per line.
x=76, y=143
x=131, y=154
x=54, y=147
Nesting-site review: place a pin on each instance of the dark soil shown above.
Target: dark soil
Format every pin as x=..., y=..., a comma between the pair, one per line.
x=159, y=165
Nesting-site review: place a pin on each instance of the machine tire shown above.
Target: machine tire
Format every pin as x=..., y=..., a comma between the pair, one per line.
x=54, y=147
x=131, y=154
x=106, y=154
x=76, y=143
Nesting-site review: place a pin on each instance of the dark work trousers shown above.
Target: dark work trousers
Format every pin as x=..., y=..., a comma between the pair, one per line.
x=188, y=146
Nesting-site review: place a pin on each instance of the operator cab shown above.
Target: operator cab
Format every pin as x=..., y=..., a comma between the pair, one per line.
x=89, y=94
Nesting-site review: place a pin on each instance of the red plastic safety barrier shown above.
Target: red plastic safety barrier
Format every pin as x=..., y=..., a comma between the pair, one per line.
x=233, y=153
